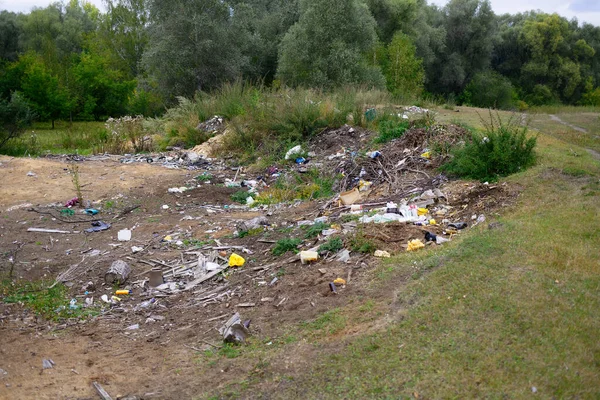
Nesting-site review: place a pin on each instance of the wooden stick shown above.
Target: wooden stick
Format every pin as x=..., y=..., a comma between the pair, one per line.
x=101, y=391
x=48, y=230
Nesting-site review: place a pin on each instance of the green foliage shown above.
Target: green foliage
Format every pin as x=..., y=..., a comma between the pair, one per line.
x=490, y=90
x=503, y=149
x=402, y=69
x=15, y=116
x=333, y=245
x=326, y=47
x=360, y=244
x=314, y=230
x=48, y=302
x=284, y=245
x=126, y=134
x=241, y=196
x=391, y=129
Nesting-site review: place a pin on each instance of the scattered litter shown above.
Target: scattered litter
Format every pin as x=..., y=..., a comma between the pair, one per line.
x=339, y=281
x=48, y=363
x=273, y=281
x=136, y=249
x=91, y=211
x=133, y=327
x=343, y=256
x=414, y=244
x=332, y=287
x=308, y=256
x=117, y=273
x=234, y=331
x=124, y=235
x=98, y=226
x=71, y=203
x=254, y=223
x=165, y=207
x=293, y=151
x=105, y=298
x=350, y=197
x=246, y=305
x=47, y=230
x=382, y=253
x=177, y=190
x=122, y=292
x=236, y=260
x=31, y=173
x=458, y=225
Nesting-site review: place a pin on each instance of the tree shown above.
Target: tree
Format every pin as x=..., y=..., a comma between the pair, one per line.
x=490, y=90
x=470, y=26
x=192, y=46
x=15, y=116
x=328, y=45
x=403, y=70
x=9, y=36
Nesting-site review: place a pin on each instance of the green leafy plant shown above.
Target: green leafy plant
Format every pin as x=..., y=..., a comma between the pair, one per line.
x=241, y=196
x=333, y=245
x=391, y=129
x=360, y=244
x=314, y=230
x=284, y=245
x=501, y=150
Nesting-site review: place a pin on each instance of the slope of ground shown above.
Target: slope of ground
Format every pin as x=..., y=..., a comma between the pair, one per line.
x=505, y=310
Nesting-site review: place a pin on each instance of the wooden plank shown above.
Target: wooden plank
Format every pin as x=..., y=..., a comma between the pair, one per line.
x=101, y=391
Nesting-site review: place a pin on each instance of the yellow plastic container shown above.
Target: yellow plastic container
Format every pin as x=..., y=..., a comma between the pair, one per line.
x=122, y=292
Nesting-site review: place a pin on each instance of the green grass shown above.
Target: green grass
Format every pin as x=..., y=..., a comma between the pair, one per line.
x=332, y=245
x=489, y=315
x=314, y=230
x=284, y=245
x=78, y=137
x=49, y=303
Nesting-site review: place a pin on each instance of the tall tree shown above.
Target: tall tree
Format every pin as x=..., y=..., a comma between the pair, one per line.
x=192, y=46
x=328, y=45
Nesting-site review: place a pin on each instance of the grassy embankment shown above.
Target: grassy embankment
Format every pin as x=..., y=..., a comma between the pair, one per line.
x=498, y=313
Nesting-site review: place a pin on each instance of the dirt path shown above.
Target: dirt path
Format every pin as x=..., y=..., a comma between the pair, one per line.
x=560, y=121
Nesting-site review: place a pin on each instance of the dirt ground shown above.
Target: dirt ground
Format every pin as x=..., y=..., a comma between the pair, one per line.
x=159, y=359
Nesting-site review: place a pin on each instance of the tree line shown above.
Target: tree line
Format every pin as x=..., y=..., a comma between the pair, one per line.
x=71, y=61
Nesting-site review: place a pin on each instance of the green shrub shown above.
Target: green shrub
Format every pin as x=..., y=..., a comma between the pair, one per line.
x=501, y=150
x=15, y=116
x=284, y=245
x=314, y=230
x=391, y=129
x=490, y=90
x=241, y=196
x=360, y=244
x=333, y=245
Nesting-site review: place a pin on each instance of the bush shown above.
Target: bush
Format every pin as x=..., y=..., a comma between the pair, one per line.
x=391, y=129
x=502, y=150
x=15, y=116
x=333, y=245
x=490, y=90
x=126, y=134
x=284, y=245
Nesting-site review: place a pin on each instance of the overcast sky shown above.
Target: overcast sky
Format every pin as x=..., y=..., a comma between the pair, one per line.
x=583, y=10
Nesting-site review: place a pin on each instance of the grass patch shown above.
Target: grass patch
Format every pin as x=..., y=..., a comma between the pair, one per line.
x=314, y=230
x=333, y=245
x=241, y=196
x=360, y=244
x=284, y=245
x=391, y=129
x=49, y=303
x=308, y=186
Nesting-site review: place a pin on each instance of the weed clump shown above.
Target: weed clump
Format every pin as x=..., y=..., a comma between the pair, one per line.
x=391, y=129
x=502, y=149
x=333, y=245
x=241, y=196
x=284, y=245
x=314, y=230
